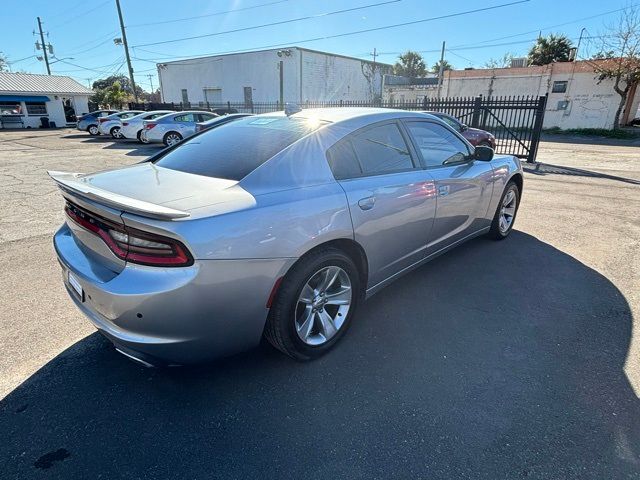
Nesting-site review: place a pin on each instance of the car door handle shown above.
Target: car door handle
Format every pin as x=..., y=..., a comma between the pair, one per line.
x=367, y=203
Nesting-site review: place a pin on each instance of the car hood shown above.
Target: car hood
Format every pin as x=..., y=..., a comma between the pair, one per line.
x=148, y=185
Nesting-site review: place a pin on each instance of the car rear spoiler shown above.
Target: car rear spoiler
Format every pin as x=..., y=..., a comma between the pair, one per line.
x=70, y=182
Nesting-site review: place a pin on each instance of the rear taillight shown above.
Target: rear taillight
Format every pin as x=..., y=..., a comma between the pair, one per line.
x=130, y=244
x=149, y=126
x=124, y=124
x=102, y=120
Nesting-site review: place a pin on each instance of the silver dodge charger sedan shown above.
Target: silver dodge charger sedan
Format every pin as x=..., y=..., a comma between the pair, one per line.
x=273, y=225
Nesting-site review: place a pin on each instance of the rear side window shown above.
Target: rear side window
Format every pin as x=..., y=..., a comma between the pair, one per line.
x=235, y=149
x=373, y=151
x=437, y=144
x=187, y=117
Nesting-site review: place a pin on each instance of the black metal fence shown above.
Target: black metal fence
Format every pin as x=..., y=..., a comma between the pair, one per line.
x=516, y=122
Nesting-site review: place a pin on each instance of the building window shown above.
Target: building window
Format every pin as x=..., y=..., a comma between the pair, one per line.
x=185, y=96
x=10, y=108
x=36, y=108
x=559, y=86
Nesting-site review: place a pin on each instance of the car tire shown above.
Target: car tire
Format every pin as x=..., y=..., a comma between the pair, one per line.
x=285, y=322
x=115, y=133
x=506, y=212
x=93, y=130
x=139, y=137
x=170, y=138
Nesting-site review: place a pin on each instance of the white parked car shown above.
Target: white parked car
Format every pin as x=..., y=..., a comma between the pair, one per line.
x=132, y=127
x=172, y=128
x=111, y=124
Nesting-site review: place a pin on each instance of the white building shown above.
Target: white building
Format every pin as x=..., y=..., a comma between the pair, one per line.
x=26, y=97
x=290, y=74
x=575, y=97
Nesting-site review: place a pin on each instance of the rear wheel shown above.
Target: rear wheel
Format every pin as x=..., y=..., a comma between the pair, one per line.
x=172, y=138
x=315, y=304
x=115, y=132
x=505, y=215
x=93, y=130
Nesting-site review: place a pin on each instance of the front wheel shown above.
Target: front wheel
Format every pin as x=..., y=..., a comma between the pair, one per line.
x=141, y=139
x=505, y=215
x=172, y=138
x=93, y=130
x=314, y=305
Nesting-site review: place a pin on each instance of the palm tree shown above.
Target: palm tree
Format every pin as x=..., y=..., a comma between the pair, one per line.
x=554, y=48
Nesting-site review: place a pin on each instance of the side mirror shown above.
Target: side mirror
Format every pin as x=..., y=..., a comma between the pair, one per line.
x=484, y=154
x=463, y=127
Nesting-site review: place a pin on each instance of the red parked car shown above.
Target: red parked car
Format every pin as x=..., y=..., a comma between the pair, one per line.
x=475, y=136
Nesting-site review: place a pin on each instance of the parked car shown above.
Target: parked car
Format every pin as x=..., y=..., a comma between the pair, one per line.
x=475, y=136
x=111, y=124
x=216, y=122
x=173, y=127
x=132, y=127
x=89, y=121
x=273, y=225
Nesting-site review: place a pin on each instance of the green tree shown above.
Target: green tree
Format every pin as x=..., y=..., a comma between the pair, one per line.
x=446, y=66
x=619, y=56
x=554, y=48
x=410, y=64
x=115, y=95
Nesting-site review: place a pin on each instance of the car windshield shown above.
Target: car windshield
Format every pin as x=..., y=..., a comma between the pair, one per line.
x=235, y=149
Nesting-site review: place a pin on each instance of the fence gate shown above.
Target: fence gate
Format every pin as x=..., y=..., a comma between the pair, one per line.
x=516, y=122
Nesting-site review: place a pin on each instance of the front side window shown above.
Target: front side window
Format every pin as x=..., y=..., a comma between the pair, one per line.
x=233, y=150
x=374, y=151
x=36, y=108
x=437, y=144
x=451, y=122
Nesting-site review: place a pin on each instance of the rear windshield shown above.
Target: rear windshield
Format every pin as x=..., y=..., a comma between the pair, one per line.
x=235, y=149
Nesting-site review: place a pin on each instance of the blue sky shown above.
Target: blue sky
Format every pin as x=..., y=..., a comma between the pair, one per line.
x=84, y=30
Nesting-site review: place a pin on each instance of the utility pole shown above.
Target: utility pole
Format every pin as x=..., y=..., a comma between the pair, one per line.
x=44, y=47
x=374, y=55
x=126, y=51
x=150, y=77
x=441, y=71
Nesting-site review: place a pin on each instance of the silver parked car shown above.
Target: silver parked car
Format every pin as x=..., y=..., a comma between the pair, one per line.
x=273, y=225
x=132, y=127
x=173, y=127
x=111, y=124
x=89, y=121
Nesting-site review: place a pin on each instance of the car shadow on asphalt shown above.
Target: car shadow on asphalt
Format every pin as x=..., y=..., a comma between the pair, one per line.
x=543, y=169
x=498, y=360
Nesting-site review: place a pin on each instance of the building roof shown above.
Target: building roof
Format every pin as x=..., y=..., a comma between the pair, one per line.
x=190, y=60
x=579, y=66
x=33, y=83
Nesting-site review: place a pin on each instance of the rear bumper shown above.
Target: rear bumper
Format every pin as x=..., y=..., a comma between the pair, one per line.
x=185, y=315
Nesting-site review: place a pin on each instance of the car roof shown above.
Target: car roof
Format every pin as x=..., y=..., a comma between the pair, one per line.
x=229, y=115
x=364, y=114
x=182, y=112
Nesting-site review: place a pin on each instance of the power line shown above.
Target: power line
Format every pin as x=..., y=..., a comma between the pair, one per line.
x=68, y=20
x=206, y=15
x=272, y=24
x=356, y=32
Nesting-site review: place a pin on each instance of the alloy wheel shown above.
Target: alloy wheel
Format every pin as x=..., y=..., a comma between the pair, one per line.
x=172, y=139
x=507, y=211
x=323, y=305
x=93, y=130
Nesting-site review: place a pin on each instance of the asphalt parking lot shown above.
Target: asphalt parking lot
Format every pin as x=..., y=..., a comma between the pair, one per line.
x=515, y=359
